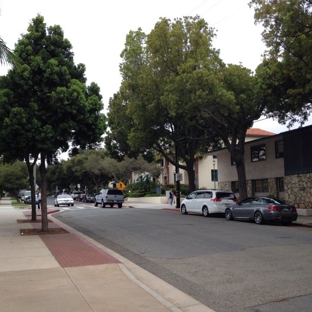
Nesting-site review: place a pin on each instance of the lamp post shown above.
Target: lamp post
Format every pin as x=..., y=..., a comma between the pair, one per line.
x=214, y=172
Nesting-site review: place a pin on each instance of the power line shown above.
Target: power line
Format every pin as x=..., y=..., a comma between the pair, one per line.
x=221, y=20
x=212, y=6
x=197, y=7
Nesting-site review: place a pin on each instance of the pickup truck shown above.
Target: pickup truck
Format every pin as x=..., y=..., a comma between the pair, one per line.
x=109, y=197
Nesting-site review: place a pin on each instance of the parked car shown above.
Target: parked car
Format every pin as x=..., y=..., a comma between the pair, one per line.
x=207, y=202
x=89, y=198
x=25, y=194
x=63, y=199
x=28, y=200
x=21, y=193
x=75, y=194
x=109, y=197
x=262, y=209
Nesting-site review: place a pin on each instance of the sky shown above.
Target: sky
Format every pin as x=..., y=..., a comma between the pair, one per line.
x=97, y=31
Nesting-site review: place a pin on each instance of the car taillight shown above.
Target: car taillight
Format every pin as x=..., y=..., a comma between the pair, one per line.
x=293, y=209
x=216, y=199
x=235, y=200
x=274, y=208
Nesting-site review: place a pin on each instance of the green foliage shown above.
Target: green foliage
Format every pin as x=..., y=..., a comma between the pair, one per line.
x=14, y=177
x=287, y=68
x=146, y=186
x=94, y=169
x=165, y=75
x=45, y=103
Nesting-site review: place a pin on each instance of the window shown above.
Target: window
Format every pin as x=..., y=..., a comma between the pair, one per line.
x=279, y=149
x=214, y=175
x=261, y=186
x=208, y=195
x=258, y=153
x=280, y=184
x=235, y=188
x=200, y=195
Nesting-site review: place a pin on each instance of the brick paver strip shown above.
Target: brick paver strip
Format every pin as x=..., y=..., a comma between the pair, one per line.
x=70, y=250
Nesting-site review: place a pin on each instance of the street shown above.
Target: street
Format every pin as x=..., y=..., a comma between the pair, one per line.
x=227, y=265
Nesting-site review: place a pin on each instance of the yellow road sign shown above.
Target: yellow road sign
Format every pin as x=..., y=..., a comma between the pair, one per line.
x=121, y=186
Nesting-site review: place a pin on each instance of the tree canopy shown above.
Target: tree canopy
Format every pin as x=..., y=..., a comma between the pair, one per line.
x=288, y=61
x=157, y=106
x=46, y=104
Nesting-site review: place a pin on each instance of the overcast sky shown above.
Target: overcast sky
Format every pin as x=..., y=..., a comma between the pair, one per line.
x=97, y=30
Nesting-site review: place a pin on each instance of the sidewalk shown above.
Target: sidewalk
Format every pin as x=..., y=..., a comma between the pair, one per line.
x=71, y=272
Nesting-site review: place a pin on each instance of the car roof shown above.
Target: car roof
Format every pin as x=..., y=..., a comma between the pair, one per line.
x=213, y=190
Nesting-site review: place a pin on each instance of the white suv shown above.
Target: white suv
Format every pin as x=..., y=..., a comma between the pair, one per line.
x=206, y=202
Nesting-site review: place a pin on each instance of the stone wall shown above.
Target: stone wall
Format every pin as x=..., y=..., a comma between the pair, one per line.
x=298, y=190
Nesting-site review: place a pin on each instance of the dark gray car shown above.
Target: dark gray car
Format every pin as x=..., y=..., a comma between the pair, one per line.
x=262, y=209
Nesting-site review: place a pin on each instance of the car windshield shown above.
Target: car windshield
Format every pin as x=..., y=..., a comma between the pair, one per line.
x=115, y=192
x=64, y=196
x=225, y=195
x=274, y=201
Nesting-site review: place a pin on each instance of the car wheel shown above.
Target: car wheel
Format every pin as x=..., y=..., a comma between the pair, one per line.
x=119, y=205
x=57, y=205
x=103, y=205
x=205, y=211
x=183, y=209
x=112, y=205
x=95, y=204
x=228, y=214
x=258, y=217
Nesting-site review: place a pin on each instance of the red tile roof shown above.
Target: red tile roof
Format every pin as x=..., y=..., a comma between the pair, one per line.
x=258, y=132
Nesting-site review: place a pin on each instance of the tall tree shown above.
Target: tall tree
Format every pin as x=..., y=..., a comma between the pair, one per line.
x=46, y=103
x=237, y=101
x=287, y=67
x=162, y=83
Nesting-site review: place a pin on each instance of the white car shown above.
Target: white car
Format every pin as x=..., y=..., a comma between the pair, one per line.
x=63, y=199
x=206, y=202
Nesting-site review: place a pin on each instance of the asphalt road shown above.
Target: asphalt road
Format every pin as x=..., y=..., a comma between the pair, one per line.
x=227, y=265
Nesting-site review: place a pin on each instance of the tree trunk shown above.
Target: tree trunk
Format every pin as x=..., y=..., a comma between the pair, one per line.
x=236, y=147
x=191, y=177
x=44, y=209
x=30, y=168
x=242, y=184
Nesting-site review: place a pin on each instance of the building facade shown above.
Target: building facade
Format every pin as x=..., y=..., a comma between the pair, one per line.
x=279, y=166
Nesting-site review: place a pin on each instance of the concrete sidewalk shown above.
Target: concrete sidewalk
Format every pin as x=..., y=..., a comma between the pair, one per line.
x=71, y=272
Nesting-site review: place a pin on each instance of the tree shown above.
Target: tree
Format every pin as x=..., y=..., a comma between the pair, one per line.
x=94, y=169
x=237, y=101
x=46, y=103
x=14, y=177
x=157, y=106
x=6, y=54
x=287, y=66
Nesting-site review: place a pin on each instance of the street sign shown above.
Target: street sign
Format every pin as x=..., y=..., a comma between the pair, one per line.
x=121, y=186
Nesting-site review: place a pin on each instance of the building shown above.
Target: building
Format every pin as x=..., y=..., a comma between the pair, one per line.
x=206, y=166
x=277, y=165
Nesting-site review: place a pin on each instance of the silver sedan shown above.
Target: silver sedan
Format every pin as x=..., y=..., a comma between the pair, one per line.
x=63, y=199
x=262, y=209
